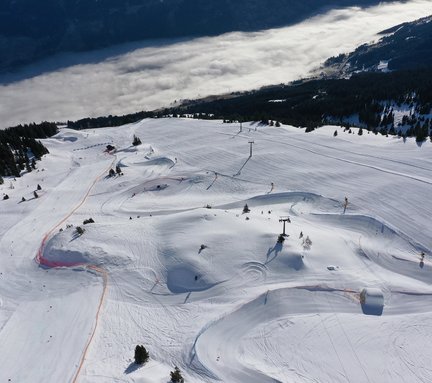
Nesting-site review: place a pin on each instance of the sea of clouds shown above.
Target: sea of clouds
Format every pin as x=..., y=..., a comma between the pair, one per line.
x=145, y=76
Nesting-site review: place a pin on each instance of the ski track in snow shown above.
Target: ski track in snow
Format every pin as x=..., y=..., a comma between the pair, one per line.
x=242, y=308
x=369, y=155
x=380, y=169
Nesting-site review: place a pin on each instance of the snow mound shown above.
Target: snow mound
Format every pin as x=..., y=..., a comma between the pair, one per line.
x=96, y=246
x=298, y=202
x=159, y=161
x=184, y=279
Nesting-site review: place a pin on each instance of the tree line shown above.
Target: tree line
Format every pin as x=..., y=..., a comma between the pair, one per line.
x=109, y=121
x=20, y=147
x=314, y=103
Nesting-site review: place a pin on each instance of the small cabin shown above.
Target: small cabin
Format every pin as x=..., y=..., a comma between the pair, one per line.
x=372, y=297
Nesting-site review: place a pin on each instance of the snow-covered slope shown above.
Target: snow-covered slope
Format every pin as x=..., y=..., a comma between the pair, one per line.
x=173, y=263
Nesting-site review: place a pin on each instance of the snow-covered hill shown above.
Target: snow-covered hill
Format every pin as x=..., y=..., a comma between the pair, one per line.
x=173, y=263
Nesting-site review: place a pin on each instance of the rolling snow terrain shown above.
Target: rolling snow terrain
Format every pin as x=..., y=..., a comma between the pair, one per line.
x=173, y=263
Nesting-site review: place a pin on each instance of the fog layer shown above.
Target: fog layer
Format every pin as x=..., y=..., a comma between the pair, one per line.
x=157, y=75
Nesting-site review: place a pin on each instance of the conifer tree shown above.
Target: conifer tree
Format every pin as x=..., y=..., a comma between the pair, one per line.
x=176, y=376
x=141, y=355
x=136, y=141
x=80, y=230
x=246, y=209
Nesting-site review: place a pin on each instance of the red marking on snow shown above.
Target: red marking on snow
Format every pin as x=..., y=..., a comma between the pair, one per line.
x=42, y=261
x=105, y=282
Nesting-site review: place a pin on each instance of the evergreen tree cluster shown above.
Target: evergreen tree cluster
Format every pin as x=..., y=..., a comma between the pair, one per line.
x=109, y=121
x=19, y=147
x=314, y=103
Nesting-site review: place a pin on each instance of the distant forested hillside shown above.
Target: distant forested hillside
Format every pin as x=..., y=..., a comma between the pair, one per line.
x=405, y=46
x=397, y=103
x=389, y=103
x=34, y=29
x=108, y=121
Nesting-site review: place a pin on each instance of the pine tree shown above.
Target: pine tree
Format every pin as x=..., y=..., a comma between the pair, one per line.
x=176, y=376
x=246, y=209
x=136, y=141
x=80, y=230
x=141, y=355
x=27, y=165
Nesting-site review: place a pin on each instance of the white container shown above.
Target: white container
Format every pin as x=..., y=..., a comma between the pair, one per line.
x=370, y=296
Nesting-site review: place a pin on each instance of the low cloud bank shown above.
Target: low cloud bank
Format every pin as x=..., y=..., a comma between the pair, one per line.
x=156, y=75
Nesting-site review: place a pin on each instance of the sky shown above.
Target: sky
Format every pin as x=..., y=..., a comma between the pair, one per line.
x=151, y=75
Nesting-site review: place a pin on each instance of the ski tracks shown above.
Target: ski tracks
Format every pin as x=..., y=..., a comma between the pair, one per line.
x=47, y=263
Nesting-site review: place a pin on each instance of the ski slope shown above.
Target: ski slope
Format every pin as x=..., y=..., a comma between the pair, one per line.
x=241, y=308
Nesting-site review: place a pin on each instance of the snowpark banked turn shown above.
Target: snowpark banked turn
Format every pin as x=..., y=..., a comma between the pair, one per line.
x=173, y=263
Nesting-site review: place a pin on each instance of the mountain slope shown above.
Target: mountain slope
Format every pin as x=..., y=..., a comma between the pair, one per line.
x=243, y=307
x=30, y=30
x=405, y=46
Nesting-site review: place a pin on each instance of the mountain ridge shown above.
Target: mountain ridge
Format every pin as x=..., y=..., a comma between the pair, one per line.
x=404, y=46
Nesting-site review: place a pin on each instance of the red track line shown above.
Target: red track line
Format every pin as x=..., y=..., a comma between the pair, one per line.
x=105, y=281
x=51, y=264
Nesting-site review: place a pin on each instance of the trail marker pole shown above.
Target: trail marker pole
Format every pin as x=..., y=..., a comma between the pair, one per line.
x=345, y=205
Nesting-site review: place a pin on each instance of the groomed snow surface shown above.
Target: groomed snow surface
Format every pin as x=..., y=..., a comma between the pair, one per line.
x=243, y=307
